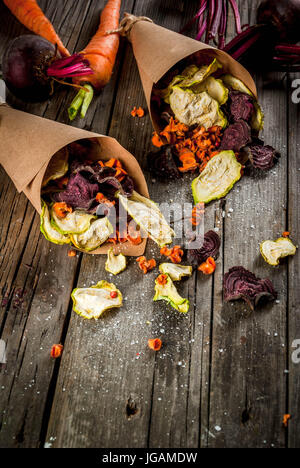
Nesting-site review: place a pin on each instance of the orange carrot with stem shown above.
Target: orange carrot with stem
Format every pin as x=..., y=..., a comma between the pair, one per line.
x=101, y=54
x=30, y=15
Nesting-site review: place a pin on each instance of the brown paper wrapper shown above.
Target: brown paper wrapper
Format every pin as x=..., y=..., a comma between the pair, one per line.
x=27, y=144
x=158, y=49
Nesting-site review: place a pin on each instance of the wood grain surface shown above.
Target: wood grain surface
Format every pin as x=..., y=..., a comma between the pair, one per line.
x=224, y=377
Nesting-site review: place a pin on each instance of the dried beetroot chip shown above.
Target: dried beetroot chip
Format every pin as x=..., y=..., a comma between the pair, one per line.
x=261, y=157
x=240, y=283
x=79, y=194
x=105, y=177
x=210, y=248
x=241, y=106
x=162, y=164
x=236, y=136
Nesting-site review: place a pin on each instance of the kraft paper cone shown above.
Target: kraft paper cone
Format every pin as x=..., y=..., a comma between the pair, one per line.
x=157, y=50
x=27, y=144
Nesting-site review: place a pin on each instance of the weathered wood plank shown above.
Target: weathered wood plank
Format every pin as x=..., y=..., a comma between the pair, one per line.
x=248, y=385
x=293, y=265
x=28, y=261
x=163, y=390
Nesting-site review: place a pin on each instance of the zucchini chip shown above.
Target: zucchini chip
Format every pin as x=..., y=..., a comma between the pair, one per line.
x=195, y=75
x=76, y=222
x=115, y=264
x=166, y=291
x=57, y=167
x=176, y=272
x=273, y=251
x=215, y=88
x=218, y=178
x=236, y=84
x=147, y=215
x=257, y=121
x=201, y=109
x=98, y=233
x=51, y=234
x=92, y=302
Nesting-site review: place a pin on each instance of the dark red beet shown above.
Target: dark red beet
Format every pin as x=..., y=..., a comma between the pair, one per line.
x=283, y=16
x=24, y=67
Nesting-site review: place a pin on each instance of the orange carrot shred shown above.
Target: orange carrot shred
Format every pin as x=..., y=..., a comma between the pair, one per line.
x=155, y=344
x=162, y=279
x=146, y=265
x=208, y=267
x=286, y=419
x=286, y=234
x=56, y=351
x=72, y=253
x=62, y=209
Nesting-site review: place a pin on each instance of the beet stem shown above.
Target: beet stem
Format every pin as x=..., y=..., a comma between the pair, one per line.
x=236, y=16
x=81, y=101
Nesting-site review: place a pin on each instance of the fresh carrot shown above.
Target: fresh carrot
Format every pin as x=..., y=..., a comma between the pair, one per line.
x=101, y=54
x=30, y=15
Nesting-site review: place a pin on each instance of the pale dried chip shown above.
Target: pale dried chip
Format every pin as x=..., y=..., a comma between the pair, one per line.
x=201, y=109
x=115, y=264
x=76, y=222
x=49, y=231
x=168, y=292
x=218, y=178
x=176, y=272
x=148, y=216
x=215, y=88
x=98, y=233
x=92, y=302
x=273, y=251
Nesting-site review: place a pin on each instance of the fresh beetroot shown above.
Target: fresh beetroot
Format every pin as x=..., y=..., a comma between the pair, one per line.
x=277, y=25
x=31, y=64
x=24, y=67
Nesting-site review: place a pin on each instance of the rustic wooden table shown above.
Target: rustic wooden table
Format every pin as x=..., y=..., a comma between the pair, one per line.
x=225, y=376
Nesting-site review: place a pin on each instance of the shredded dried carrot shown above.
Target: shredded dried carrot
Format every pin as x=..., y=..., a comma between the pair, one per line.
x=72, y=253
x=62, y=209
x=162, y=279
x=137, y=112
x=197, y=214
x=175, y=254
x=155, y=344
x=286, y=234
x=146, y=265
x=56, y=351
x=100, y=198
x=156, y=140
x=113, y=294
x=286, y=419
x=208, y=267
x=195, y=147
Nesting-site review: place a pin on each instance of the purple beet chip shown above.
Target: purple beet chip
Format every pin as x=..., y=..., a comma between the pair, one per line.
x=240, y=283
x=241, y=106
x=261, y=157
x=210, y=248
x=79, y=194
x=236, y=136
